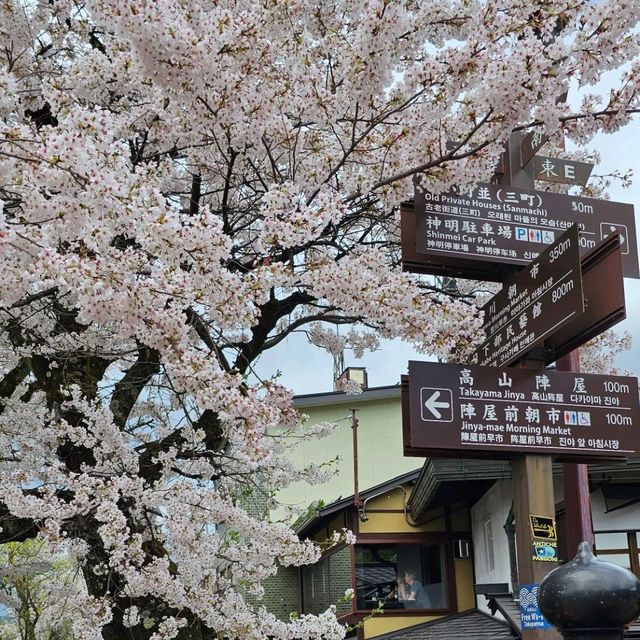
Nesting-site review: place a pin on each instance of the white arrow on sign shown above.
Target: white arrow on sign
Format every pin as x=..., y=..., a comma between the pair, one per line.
x=433, y=405
x=615, y=228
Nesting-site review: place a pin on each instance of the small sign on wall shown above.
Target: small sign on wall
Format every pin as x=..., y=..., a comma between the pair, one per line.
x=544, y=550
x=530, y=613
x=543, y=527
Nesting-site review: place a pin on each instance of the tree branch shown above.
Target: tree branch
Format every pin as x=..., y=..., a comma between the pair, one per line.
x=13, y=529
x=194, y=319
x=13, y=378
x=128, y=389
x=270, y=314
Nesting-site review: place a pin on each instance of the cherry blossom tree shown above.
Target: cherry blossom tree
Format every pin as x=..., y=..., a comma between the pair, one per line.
x=185, y=183
x=35, y=590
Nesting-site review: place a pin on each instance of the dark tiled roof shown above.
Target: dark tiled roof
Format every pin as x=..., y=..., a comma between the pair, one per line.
x=472, y=624
x=634, y=630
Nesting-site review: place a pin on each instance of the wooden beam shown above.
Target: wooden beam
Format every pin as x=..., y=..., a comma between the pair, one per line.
x=533, y=493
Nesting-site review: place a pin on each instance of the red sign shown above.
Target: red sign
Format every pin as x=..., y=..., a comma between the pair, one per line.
x=463, y=411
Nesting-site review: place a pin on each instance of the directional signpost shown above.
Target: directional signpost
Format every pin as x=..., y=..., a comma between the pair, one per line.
x=470, y=411
x=554, y=305
x=603, y=288
x=496, y=229
x=561, y=288
x=532, y=305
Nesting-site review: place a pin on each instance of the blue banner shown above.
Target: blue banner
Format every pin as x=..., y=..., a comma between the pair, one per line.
x=530, y=614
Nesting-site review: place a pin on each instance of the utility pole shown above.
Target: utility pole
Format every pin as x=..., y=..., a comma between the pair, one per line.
x=357, y=503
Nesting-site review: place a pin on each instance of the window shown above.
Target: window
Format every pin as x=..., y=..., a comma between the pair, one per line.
x=490, y=560
x=325, y=582
x=401, y=576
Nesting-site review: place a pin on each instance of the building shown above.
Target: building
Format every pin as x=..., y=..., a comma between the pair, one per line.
x=447, y=522
x=376, y=508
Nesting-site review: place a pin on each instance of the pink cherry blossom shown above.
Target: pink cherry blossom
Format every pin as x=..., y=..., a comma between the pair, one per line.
x=183, y=184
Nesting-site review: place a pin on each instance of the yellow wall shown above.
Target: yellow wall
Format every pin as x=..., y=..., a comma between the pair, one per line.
x=386, y=515
x=464, y=584
x=385, y=623
x=379, y=449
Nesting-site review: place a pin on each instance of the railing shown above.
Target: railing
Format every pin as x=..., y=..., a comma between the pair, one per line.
x=631, y=550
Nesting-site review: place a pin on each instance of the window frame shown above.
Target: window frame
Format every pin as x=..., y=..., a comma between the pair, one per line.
x=442, y=539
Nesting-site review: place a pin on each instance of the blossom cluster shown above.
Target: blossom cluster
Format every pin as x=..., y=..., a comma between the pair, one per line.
x=185, y=183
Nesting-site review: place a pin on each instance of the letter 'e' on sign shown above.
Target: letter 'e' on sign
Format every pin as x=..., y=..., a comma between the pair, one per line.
x=562, y=171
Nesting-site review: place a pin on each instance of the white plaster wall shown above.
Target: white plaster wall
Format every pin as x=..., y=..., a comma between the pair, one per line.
x=495, y=504
x=627, y=518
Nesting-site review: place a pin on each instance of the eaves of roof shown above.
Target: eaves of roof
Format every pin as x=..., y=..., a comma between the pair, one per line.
x=473, y=624
x=326, y=512
x=437, y=472
x=339, y=397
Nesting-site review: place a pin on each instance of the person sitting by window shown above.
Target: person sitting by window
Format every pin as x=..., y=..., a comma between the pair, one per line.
x=415, y=597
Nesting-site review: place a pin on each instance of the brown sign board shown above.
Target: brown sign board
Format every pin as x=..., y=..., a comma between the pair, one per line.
x=534, y=304
x=603, y=288
x=461, y=411
x=562, y=171
x=558, y=330
x=497, y=229
x=531, y=144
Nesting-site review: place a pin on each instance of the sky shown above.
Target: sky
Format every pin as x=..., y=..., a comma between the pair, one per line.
x=306, y=369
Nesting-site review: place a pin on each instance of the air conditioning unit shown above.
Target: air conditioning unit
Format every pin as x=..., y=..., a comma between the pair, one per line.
x=462, y=549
